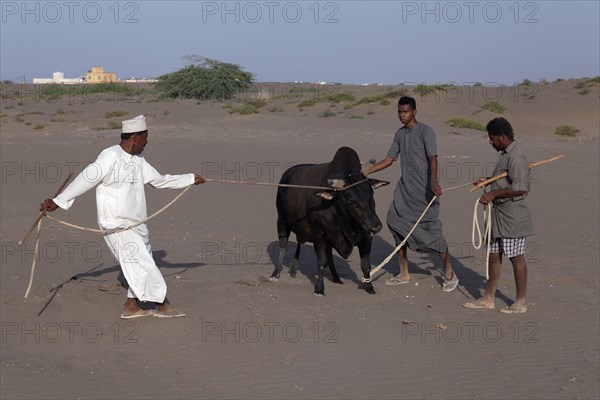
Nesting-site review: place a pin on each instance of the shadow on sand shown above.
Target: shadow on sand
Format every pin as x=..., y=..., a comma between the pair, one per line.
x=96, y=272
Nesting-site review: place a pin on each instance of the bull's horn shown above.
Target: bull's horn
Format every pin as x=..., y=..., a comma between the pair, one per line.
x=366, y=167
x=336, y=183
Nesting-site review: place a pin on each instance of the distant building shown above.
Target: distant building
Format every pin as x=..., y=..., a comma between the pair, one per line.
x=97, y=75
x=139, y=80
x=58, y=77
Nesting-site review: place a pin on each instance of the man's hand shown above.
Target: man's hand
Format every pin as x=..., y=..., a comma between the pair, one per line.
x=48, y=205
x=480, y=180
x=198, y=180
x=487, y=198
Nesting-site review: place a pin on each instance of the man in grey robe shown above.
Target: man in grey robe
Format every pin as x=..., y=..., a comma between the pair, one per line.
x=415, y=144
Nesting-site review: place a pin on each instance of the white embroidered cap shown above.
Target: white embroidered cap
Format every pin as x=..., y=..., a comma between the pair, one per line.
x=137, y=124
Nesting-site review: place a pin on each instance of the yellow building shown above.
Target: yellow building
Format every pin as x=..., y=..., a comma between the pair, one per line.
x=97, y=75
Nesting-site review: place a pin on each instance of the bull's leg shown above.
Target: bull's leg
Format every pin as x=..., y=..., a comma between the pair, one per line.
x=296, y=261
x=284, y=234
x=321, y=251
x=334, y=274
x=364, y=249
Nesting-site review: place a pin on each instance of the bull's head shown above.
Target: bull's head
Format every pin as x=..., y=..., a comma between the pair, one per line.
x=354, y=193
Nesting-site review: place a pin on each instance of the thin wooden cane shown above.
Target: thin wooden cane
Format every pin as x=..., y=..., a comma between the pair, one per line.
x=35, y=255
x=504, y=174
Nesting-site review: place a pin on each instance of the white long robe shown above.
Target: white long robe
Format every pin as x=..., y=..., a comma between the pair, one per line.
x=119, y=178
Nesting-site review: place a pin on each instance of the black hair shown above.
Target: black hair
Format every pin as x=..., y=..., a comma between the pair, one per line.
x=500, y=126
x=404, y=100
x=126, y=136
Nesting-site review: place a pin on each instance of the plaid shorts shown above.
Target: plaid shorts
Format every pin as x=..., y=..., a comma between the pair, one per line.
x=511, y=247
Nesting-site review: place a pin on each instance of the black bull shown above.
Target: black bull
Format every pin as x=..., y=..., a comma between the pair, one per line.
x=338, y=219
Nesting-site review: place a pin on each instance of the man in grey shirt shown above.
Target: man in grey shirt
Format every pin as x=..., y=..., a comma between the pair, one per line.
x=511, y=218
x=415, y=144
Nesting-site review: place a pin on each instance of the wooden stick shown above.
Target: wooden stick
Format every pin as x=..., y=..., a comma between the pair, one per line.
x=42, y=213
x=504, y=174
x=35, y=256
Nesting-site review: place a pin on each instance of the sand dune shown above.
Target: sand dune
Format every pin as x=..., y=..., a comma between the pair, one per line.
x=247, y=338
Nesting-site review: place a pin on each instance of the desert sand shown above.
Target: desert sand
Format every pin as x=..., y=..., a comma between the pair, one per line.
x=244, y=337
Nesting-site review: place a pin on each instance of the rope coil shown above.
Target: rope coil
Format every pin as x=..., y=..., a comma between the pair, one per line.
x=487, y=238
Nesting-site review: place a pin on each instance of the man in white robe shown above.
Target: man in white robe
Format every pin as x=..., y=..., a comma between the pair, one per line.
x=119, y=175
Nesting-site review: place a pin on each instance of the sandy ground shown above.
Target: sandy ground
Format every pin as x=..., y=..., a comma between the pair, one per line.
x=247, y=338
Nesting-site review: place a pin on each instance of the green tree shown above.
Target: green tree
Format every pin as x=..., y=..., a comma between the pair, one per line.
x=204, y=79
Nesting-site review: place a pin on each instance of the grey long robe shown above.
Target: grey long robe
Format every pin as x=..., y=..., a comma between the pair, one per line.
x=413, y=191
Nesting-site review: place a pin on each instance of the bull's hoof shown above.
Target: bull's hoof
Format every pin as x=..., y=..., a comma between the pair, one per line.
x=319, y=294
x=338, y=281
x=293, y=271
x=369, y=288
x=274, y=279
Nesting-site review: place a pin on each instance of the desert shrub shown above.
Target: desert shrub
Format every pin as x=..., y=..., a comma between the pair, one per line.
x=526, y=82
x=244, y=109
x=461, y=122
x=494, y=107
x=38, y=126
x=339, y=97
x=581, y=84
x=424, y=89
x=307, y=103
x=113, y=114
x=384, y=102
x=392, y=94
x=357, y=117
x=566, y=130
x=204, y=79
x=57, y=119
x=584, y=91
x=327, y=113
x=258, y=103
x=595, y=79
x=110, y=125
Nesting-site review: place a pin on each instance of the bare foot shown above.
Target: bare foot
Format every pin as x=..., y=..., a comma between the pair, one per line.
x=131, y=306
x=480, y=303
x=518, y=307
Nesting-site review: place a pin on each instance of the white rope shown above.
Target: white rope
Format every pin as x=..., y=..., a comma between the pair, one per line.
x=83, y=228
x=397, y=249
x=111, y=231
x=288, y=185
x=487, y=239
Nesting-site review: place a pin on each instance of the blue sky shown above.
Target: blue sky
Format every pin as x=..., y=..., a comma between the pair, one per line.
x=335, y=41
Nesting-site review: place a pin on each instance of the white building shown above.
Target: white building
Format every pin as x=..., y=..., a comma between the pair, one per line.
x=58, y=77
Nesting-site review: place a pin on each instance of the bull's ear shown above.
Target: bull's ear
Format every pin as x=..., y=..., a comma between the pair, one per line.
x=376, y=183
x=325, y=195
x=366, y=167
x=336, y=183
